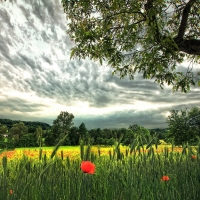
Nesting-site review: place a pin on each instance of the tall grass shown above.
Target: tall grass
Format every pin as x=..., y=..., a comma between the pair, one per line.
x=118, y=176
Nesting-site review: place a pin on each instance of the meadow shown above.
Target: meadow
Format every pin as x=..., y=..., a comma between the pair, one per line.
x=118, y=173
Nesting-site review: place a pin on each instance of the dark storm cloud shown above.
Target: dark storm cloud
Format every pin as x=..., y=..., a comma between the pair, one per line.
x=6, y=73
x=136, y=83
x=54, y=10
x=5, y=17
x=148, y=119
x=28, y=61
x=4, y=49
x=38, y=10
x=47, y=59
x=26, y=12
x=18, y=104
x=44, y=36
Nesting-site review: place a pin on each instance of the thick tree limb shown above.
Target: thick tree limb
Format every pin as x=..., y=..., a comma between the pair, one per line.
x=188, y=46
x=191, y=46
x=184, y=19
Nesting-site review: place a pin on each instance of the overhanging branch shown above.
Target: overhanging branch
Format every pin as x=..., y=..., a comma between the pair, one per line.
x=188, y=46
x=184, y=19
x=152, y=20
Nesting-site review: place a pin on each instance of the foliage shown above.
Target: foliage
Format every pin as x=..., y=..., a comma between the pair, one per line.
x=161, y=133
x=30, y=124
x=151, y=37
x=141, y=132
x=27, y=140
x=38, y=135
x=184, y=125
x=82, y=132
x=18, y=130
x=74, y=136
x=61, y=127
x=3, y=129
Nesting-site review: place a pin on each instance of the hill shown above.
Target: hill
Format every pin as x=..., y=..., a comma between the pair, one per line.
x=32, y=125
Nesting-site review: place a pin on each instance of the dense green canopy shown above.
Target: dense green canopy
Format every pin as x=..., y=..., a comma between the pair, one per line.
x=148, y=36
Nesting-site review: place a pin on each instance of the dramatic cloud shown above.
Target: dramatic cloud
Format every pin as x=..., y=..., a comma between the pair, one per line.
x=38, y=79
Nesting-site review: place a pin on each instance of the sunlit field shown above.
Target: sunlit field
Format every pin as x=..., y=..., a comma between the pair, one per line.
x=73, y=152
x=118, y=172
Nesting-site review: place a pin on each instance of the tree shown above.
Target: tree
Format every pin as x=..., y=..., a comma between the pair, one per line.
x=38, y=135
x=181, y=130
x=82, y=131
x=140, y=132
x=93, y=134
x=27, y=140
x=18, y=130
x=61, y=126
x=100, y=140
x=128, y=137
x=3, y=130
x=194, y=117
x=151, y=36
x=74, y=135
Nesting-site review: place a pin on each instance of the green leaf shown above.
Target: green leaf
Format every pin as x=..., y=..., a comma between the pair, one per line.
x=72, y=53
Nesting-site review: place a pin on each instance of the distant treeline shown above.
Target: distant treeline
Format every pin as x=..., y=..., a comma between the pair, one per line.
x=32, y=125
x=183, y=128
x=16, y=133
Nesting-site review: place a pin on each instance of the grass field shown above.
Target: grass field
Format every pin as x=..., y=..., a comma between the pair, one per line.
x=120, y=173
x=73, y=152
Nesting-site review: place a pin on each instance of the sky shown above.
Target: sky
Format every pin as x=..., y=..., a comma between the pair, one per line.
x=38, y=80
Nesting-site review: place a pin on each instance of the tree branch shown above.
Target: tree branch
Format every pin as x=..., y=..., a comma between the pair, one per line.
x=184, y=19
x=152, y=21
x=188, y=46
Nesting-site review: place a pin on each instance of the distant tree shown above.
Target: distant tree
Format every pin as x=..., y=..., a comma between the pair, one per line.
x=194, y=117
x=3, y=130
x=141, y=132
x=61, y=126
x=38, y=134
x=74, y=136
x=120, y=132
x=31, y=129
x=93, y=133
x=83, y=132
x=18, y=130
x=152, y=37
x=128, y=138
x=108, y=133
x=8, y=122
x=49, y=139
x=27, y=140
x=110, y=142
x=181, y=126
x=100, y=140
x=108, y=137
x=160, y=133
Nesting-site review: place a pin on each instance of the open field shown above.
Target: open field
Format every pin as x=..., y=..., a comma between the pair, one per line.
x=73, y=151
x=119, y=173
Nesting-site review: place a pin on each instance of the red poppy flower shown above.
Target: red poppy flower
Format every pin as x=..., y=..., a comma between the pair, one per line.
x=87, y=167
x=193, y=157
x=165, y=178
x=11, y=191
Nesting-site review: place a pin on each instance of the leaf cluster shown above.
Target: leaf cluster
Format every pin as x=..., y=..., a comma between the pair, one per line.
x=135, y=36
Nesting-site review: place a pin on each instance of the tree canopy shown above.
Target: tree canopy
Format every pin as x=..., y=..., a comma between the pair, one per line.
x=61, y=127
x=152, y=37
x=184, y=126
